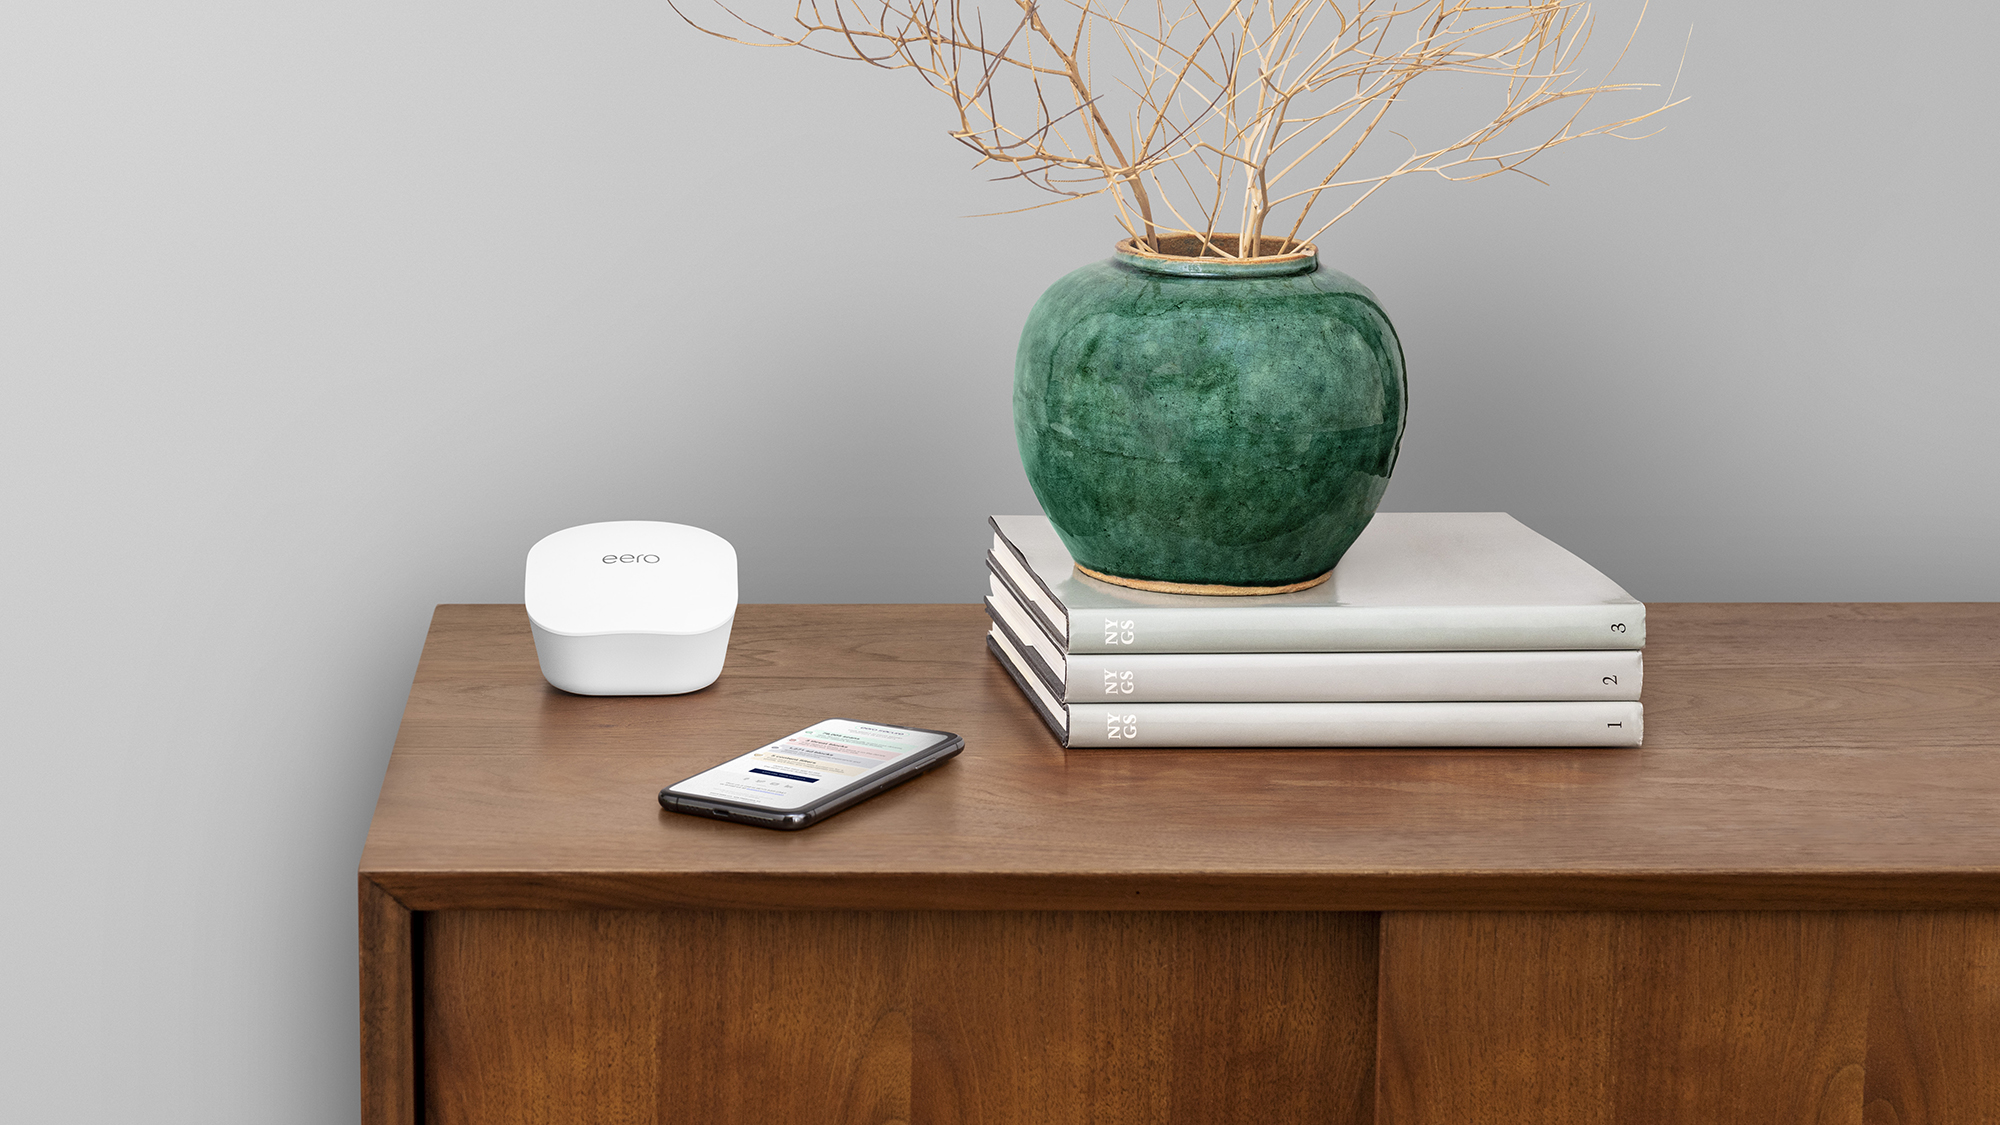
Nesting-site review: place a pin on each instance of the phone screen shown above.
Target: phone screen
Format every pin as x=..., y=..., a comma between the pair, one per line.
x=802, y=769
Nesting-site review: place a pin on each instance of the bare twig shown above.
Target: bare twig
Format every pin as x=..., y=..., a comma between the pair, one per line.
x=1221, y=100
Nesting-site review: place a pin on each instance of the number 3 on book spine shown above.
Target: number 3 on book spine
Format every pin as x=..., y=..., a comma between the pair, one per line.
x=1121, y=726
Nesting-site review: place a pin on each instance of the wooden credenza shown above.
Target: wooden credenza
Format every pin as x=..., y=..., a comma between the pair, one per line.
x=1784, y=908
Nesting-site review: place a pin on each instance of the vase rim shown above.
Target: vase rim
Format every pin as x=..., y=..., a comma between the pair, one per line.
x=1297, y=257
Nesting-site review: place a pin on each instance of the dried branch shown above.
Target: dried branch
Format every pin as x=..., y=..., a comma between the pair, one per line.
x=1221, y=100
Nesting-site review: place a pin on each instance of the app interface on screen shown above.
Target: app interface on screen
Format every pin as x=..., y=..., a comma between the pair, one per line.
x=799, y=769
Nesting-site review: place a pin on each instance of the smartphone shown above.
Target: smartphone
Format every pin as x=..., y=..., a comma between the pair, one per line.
x=803, y=778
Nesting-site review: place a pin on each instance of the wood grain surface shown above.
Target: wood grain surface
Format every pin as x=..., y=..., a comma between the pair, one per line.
x=1934, y=1020
x=1224, y=1018
x=389, y=1094
x=672, y=1016
x=1784, y=907
x=1797, y=757
x=846, y=1018
x=1824, y=1017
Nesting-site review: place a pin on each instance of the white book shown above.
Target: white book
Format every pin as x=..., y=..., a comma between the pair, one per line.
x=1413, y=582
x=1456, y=724
x=1313, y=677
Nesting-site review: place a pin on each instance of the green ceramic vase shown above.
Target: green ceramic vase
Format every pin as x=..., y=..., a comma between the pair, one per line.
x=1209, y=425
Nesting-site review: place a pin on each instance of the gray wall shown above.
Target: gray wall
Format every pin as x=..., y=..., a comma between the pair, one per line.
x=312, y=316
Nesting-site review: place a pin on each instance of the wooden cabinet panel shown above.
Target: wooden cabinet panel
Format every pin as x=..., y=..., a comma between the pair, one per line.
x=612, y=1018
x=1081, y=1018
x=1039, y=937
x=1802, y=757
x=1495, y=1017
x=983, y=1018
x=1689, y=1017
x=388, y=1008
x=934, y=1019
x=533, y=1016
x=1745, y=1017
x=1934, y=1020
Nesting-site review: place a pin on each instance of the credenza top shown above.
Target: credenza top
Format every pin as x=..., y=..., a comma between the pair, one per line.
x=1797, y=756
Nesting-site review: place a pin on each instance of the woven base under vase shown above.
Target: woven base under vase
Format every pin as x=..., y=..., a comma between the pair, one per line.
x=1199, y=588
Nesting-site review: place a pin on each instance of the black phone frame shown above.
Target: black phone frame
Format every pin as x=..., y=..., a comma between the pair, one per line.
x=922, y=762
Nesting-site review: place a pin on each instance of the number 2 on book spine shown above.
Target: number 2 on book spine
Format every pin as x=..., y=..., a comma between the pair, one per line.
x=1118, y=683
x=1119, y=632
x=1121, y=726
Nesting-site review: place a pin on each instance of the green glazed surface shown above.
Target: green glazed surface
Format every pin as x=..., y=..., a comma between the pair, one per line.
x=1220, y=430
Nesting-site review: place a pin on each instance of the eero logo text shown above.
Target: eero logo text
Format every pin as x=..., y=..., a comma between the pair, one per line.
x=631, y=558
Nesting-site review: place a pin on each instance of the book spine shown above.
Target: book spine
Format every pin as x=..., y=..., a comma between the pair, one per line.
x=1159, y=725
x=1349, y=677
x=1358, y=629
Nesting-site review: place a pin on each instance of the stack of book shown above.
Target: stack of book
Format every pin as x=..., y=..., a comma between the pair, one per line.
x=1436, y=629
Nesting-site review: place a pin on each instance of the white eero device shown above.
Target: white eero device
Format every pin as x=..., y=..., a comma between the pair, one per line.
x=631, y=607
